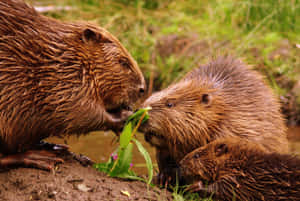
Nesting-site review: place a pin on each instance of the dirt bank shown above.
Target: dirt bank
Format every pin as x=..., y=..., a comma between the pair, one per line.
x=72, y=181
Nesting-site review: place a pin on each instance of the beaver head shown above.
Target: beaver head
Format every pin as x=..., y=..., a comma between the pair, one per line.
x=183, y=116
x=71, y=77
x=116, y=76
x=219, y=158
x=223, y=98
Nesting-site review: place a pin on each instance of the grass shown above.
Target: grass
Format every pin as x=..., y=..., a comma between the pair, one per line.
x=262, y=32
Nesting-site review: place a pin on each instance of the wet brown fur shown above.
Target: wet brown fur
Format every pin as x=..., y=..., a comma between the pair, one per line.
x=223, y=98
x=237, y=169
x=58, y=78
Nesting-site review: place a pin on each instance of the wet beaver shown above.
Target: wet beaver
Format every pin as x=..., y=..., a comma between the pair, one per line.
x=59, y=78
x=223, y=98
x=237, y=169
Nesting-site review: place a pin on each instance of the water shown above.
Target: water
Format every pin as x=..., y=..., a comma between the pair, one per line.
x=99, y=145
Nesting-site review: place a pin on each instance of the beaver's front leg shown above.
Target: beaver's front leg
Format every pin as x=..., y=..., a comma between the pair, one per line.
x=64, y=149
x=168, y=168
x=41, y=159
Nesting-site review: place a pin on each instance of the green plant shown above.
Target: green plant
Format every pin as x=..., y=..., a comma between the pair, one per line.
x=118, y=165
x=148, y=4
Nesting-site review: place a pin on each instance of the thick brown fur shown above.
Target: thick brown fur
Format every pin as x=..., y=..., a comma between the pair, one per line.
x=223, y=98
x=58, y=78
x=237, y=169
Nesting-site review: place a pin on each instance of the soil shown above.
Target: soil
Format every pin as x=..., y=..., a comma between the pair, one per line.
x=72, y=181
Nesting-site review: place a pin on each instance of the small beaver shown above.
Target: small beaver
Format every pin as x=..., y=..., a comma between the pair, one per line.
x=237, y=169
x=223, y=98
x=58, y=78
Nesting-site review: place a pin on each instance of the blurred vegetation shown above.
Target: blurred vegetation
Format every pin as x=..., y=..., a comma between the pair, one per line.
x=170, y=37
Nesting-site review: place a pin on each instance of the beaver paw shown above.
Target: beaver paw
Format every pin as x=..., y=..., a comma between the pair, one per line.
x=83, y=160
x=40, y=159
x=196, y=187
x=62, y=149
x=202, y=190
x=52, y=147
x=163, y=180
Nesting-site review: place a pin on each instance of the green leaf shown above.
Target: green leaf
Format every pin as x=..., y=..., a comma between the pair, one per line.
x=137, y=115
x=147, y=159
x=102, y=167
x=126, y=135
x=123, y=161
x=121, y=166
x=105, y=167
x=129, y=176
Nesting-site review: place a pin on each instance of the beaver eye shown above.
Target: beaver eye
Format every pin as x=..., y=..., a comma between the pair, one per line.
x=125, y=63
x=206, y=99
x=197, y=155
x=169, y=104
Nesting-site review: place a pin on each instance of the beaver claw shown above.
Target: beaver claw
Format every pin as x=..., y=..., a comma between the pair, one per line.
x=162, y=180
x=198, y=186
x=52, y=147
x=202, y=190
x=83, y=160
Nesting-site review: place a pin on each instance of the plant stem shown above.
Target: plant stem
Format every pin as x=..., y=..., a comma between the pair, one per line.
x=138, y=124
x=115, y=164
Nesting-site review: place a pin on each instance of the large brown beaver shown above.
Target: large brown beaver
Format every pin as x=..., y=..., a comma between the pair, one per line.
x=237, y=169
x=223, y=98
x=58, y=78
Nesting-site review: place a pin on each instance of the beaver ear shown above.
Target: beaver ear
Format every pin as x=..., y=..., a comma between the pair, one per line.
x=90, y=35
x=221, y=149
x=206, y=99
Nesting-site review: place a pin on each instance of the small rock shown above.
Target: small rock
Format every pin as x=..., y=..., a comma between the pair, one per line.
x=84, y=188
x=125, y=193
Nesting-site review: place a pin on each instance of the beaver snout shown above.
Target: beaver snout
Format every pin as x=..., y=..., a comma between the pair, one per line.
x=116, y=121
x=184, y=172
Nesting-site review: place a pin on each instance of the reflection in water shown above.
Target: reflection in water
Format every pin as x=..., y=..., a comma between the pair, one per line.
x=99, y=145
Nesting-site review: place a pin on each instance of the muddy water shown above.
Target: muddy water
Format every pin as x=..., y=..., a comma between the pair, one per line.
x=99, y=145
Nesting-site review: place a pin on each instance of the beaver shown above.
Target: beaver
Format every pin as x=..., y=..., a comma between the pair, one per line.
x=222, y=98
x=238, y=169
x=59, y=78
